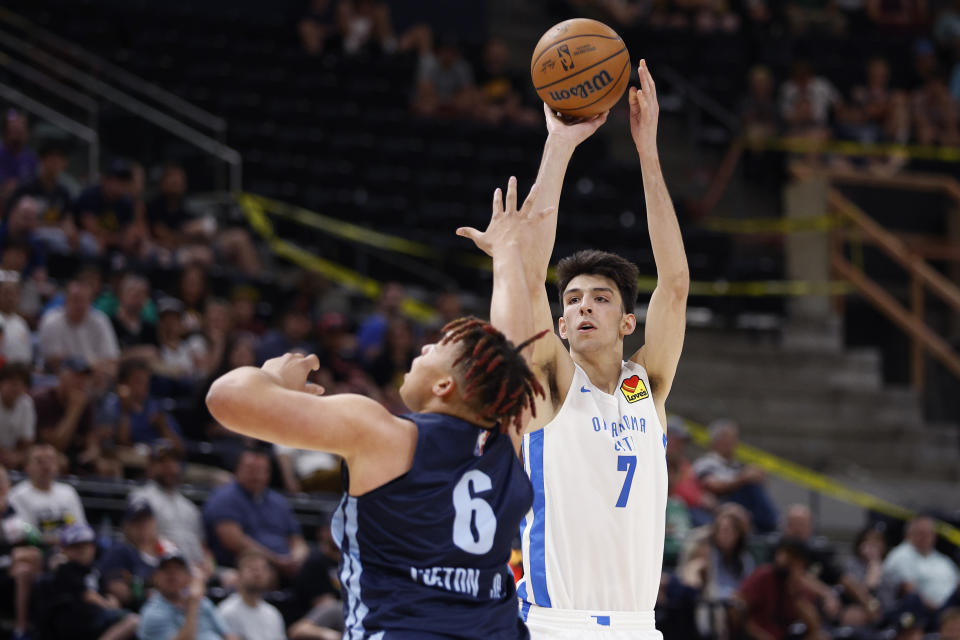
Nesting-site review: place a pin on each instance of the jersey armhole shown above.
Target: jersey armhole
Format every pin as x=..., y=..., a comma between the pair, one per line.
x=413, y=464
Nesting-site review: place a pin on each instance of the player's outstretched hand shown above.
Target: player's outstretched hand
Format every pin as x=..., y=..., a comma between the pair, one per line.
x=571, y=132
x=644, y=112
x=291, y=371
x=508, y=226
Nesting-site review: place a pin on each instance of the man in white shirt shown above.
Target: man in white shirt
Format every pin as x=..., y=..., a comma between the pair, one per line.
x=246, y=613
x=18, y=418
x=17, y=343
x=50, y=506
x=78, y=330
x=916, y=567
x=178, y=519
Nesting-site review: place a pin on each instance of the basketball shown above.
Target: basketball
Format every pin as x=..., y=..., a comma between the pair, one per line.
x=580, y=67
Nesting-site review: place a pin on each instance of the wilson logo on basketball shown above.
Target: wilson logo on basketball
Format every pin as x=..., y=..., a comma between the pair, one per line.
x=583, y=89
x=634, y=389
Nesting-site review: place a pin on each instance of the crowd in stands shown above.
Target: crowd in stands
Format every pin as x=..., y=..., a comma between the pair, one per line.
x=735, y=567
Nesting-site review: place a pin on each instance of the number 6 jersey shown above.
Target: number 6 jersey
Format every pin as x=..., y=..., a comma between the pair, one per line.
x=594, y=537
x=425, y=555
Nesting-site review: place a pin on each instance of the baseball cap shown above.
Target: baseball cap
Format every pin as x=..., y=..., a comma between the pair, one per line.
x=169, y=305
x=676, y=427
x=76, y=534
x=172, y=554
x=77, y=364
x=137, y=510
x=120, y=168
x=162, y=449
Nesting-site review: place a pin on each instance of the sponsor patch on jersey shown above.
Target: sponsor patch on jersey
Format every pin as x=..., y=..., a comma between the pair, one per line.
x=634, y=389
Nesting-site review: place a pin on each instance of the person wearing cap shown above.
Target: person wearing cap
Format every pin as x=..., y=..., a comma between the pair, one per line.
x=127, y=567
x=178, y=518
x=18, y=419
x=106, y=210
x=70, y=606
x=20, y=554
x=79, y=330
x=178, y=608
x=182, y=359
x=700, y=504
x=17, y=342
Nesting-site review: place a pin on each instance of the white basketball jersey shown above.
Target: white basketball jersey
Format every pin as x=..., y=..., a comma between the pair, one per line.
x=594, y=537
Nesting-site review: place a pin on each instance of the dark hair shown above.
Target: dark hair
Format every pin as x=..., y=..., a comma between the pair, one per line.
x=601, y=263
x=15, y=370
x=497, y=381
x=130, y=366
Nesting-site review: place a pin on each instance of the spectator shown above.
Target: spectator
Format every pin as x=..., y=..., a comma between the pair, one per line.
x=398, y=351
x=129, y=324
x=500, y=92
x=106, y=211
x=946, y=29
x=20, y=227
x=20, y=556
x=293, y=336
x=72, y=605
x=317, y=27
x=178, y=518
x=934, y=112
x=246, y=614
x=247, y=515
x=127, y=567
x=39, y=500
x=918, y=569
x=898, y=16
x=365, y=27
x=373, y=330
x=178, y=608
x=193, y=295
x=182, y=359
x=807, y=103
x=950, y=624
x=77, y=330
x=445, y=85
x=814, y=15
x=315, y=597
x=728, y=480
x=65, y=416
x=677, y=517
x=17, y=344
x=337, y=349
x=18, y=163
x=871, y=105
x=304, y=470
x=866, y=563
x=18, y=418
x=776, y=595
x=171, y=223
x=685, y=485
x=135, y=416
x=759, y=109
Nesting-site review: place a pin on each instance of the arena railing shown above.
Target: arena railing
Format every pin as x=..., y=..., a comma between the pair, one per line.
x=72, y=74
x=57, y=119
x=116, y=74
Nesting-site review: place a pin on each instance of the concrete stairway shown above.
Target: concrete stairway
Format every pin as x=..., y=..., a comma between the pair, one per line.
x=827, y=410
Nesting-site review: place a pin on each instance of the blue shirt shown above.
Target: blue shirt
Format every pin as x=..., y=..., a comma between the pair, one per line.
x=161, y=620
x=21, y=166
x=141, y=429
x=111, y=216
x=267, y=518
x=123, y=559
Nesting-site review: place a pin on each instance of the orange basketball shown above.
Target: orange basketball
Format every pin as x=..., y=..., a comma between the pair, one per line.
x=580, y=67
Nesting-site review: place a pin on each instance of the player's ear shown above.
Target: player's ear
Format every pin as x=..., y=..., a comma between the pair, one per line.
x=443, y=387
x=628, y=324
x=562, y=327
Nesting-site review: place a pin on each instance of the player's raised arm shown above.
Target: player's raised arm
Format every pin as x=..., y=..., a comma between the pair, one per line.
x=276, y=403
x=666, y=314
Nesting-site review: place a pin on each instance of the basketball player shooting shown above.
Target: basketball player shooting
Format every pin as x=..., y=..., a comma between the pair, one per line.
x=595, y=452
x=434, y=498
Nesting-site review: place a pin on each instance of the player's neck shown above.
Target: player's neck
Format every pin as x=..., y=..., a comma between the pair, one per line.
x=455, y=409
x=602, y=367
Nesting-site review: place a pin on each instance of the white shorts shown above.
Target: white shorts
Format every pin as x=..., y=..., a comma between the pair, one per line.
x=546, y=623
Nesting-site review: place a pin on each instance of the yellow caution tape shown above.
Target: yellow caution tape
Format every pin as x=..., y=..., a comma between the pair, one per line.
x=257, y=208
x=771, y=225
x=849, y=148
x=804, y=477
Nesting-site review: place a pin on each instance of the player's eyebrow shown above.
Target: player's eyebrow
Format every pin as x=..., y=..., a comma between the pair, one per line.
x=593, y=289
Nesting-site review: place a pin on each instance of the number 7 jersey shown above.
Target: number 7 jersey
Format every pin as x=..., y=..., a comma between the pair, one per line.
x=594, y=537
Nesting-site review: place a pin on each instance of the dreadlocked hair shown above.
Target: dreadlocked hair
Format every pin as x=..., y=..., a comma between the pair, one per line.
x=496, y=378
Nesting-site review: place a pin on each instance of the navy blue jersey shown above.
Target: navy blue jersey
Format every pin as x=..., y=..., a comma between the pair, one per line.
x=425, y=555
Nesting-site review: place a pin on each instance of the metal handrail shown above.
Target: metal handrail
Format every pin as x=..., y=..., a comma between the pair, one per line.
x=133, y=105
x=52, y=85
x=698, y=97
x=58, y=119
x=117, y=74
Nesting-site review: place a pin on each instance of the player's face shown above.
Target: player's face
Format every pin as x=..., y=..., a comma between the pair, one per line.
x=434, y=363
x=593, y=317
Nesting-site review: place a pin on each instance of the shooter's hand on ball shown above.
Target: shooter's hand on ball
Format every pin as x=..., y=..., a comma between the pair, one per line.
x=291, y=371
x=571, y=134
x=644, y=113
